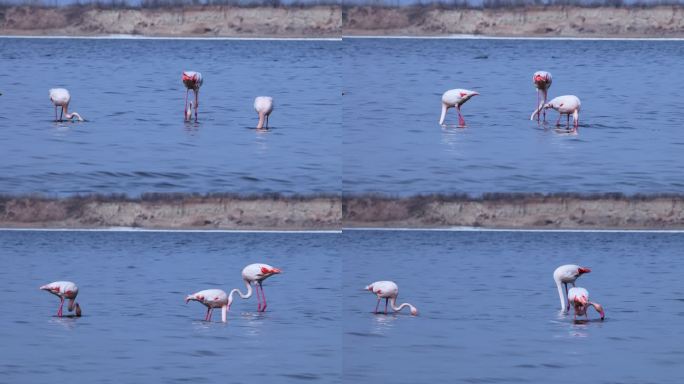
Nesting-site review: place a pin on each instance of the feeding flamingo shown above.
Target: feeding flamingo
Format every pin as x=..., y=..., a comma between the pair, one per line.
x=566, y=105
x=579, y=298
x=454, y=98
x=60, y=97
x=64, y=290
x=192, y=81
x=256, y=274
x=389, y=291
x=213, y=298
x=542, y=81
x=567, y=274
x=263, y=105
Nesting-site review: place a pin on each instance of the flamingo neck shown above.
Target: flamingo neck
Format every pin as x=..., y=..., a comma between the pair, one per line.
x=242, y=295
x=393, y=303
x=444, y=111
x=560, y=294
x=72, y=115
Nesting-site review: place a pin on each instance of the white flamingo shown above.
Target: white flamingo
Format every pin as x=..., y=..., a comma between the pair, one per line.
x=213, y=298
x=454, y=98
x=263, y=105
x=566, y=105
x=389, y=291
x=192, y=81
x=542, y=81
x=256, y=274
x=64, y=290
x=579, y=298
x=60, y=97
x=564, y=275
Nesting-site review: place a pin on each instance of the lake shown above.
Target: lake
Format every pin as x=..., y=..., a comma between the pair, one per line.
x=136, y=326
x=489, y=308
x=630, y=136
x=135, y=140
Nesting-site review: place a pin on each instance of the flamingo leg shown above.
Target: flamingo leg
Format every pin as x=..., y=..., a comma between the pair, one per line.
x=377, y=305
x=263, y=307
x=56, y=113
x=256, y=288
x=206, y=317
x=266, y=121
x=558, y=121
x=568, y=124
x=538, y=105
x=196, y=103
x=61, y=114
x=386, y=301
x=544, y=109
x=61, y=304
x=461, y=121
x=566, y=296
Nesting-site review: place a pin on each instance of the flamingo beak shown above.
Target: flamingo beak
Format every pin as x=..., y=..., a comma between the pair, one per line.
x=582, y=270
x=276, y=270
x=475, y=94
x=187, y=299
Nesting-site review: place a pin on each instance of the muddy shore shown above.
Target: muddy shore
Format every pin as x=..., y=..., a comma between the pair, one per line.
x=200, y=21
x=335, y=21
x=527, y=211
x=537, y=21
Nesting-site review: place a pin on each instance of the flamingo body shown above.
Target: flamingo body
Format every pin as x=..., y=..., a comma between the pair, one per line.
x=578, y=297
x=212, y=298
x=454, y=98
x=566, y=105
x=564, y=275
x=60, y=98
x=263, y=105
x=389, y=291
x=192, y=81
x=542, y=81
x=64, y=290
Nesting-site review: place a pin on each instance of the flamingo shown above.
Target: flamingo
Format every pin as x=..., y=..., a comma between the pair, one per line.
x=542, y=81
x=389, y=291
x=64, y=290
x=256, y=274
x=567, y=274
x=263, y=106
x=579, y=298
x=60, y=97
x=455, y=98
x=192, y=81
x=566, y=105
x=213, y=298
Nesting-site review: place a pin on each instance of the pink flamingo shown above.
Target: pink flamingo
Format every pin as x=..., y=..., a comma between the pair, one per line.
x=579, y=298
x=213, y=298
x=566, y=105
x=542, y=81
x=192, y=81
x=389, y=291
x=64, y=290
x=256, y=274
x=263, y=105
x=60, y=97
x=454, y=98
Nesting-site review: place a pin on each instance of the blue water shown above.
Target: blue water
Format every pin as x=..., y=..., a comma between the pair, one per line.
x=489, y=308
x=136, y=327
x=630, y=138
x=135, y=139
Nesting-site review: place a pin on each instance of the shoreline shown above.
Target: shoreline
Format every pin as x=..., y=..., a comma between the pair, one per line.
x=336, y=22
x=332, y=213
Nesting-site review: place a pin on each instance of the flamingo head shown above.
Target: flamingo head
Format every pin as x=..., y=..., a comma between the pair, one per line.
x=582, y=270
x=78, y=310
x=414, y=311
x=599, y=308
x=369, y=288
x=50, y=288
x=190, y=298
x=270, y=271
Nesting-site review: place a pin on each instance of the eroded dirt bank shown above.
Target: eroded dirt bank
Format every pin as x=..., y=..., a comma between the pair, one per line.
x=517, y=211
x=550, y=21
x=206, y=21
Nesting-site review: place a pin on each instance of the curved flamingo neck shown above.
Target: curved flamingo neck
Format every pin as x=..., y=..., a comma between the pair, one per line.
x=242, y=295
x=393, y=303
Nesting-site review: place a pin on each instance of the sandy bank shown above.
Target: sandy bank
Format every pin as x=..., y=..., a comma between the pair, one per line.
x=173, y=212
x=517, y=212
x=207, y=21
x=550, y=21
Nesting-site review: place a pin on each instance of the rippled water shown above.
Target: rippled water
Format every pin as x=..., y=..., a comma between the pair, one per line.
x=489, y=309
x=630, y=138
x=135, y=139
x=136, y=326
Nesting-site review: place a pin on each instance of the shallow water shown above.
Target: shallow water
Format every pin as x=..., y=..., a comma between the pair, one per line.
x=136, y=326
x=630, y=136
x=135, y=140
x=489, y=309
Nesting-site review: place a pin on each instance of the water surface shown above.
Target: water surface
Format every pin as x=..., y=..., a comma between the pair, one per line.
x=630, y=138
x=135, y=140
x=489, y=309
x=136, y=326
